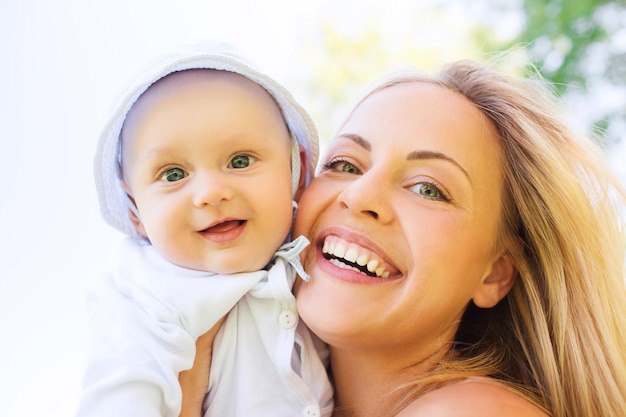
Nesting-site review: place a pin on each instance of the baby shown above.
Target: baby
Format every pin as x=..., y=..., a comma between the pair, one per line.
x=200, y=165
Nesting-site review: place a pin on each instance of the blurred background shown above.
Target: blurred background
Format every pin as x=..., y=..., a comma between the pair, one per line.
x=63, y=62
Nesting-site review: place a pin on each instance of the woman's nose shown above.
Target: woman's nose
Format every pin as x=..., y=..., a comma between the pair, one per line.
x=368, y=194
x=211, y=190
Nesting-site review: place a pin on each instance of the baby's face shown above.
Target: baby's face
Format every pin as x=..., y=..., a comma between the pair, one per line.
x=207, y=161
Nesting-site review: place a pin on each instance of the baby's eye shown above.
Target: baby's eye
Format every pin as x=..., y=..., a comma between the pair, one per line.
x=241, y=161
x=173, y=175
x=341, y=165
x=429, y=190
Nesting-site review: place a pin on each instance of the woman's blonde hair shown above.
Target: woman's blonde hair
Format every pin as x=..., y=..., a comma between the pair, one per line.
x=559, y=337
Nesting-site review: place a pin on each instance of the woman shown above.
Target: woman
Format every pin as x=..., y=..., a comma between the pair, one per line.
x=466, y=255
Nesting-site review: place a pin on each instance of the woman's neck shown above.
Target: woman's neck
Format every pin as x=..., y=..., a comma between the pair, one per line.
x=365, y=381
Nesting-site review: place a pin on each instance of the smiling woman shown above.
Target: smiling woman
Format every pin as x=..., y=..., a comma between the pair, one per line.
x=491, y=239
x=432, y=220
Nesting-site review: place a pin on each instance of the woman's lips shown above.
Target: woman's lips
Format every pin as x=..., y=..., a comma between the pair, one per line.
x=349, y=255
x=224, y=231
x=352, y=261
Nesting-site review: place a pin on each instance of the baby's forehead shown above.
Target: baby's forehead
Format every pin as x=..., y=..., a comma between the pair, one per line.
x=174, y=82
x=181, y=79
x=194, y=80
x=161, y=89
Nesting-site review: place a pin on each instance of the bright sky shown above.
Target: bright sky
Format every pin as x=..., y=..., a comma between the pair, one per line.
x=62, y=63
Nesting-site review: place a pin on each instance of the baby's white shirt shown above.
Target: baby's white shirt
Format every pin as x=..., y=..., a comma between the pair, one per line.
x=146, y=315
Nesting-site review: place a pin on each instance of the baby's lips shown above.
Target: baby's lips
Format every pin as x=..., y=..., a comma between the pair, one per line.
x=224, y=227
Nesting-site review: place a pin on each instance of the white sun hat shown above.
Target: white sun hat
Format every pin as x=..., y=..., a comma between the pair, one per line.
x=114, y=203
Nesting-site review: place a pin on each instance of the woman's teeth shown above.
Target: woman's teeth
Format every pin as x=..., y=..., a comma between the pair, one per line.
x=350, y=256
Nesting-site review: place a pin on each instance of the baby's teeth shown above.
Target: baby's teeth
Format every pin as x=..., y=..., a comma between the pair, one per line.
x=326, y=247
x=351, y=255
x=380, y=271
x=362, y=260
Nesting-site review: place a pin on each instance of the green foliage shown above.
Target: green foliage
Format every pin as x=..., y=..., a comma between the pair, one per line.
x=568, y=41
x=562, y=31
x=563, y=38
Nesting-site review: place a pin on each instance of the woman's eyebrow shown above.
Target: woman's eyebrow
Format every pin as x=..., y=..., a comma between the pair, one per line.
x=358, y=140
x=422, y=155
x=415, y=155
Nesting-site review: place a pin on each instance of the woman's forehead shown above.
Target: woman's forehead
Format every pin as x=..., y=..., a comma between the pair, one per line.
x=416, y=110
x=418, y=117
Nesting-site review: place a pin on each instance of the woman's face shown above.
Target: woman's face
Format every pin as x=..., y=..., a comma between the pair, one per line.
x=409, y=191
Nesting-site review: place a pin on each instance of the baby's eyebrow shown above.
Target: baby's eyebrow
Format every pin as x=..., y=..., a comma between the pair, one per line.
x=422, y=155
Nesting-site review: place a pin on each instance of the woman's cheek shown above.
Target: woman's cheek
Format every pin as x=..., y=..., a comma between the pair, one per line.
x=304, y=215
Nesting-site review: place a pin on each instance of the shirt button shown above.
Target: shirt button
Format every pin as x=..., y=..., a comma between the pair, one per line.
x=311, y=411
x=287, y=319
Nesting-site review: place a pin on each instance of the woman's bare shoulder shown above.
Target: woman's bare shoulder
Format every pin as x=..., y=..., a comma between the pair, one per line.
x=472, y=397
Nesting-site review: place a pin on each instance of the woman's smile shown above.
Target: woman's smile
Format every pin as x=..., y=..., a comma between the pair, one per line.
x=346, y=255
x=340, y=248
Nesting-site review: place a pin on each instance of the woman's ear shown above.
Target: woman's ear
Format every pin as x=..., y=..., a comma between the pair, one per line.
x=303, y=168
x=497, y=283
x=133, y=213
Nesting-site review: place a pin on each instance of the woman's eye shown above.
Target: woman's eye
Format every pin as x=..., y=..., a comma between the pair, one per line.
x=241, y=161
x=342, y=166
x=429, y=190
x=173, y=175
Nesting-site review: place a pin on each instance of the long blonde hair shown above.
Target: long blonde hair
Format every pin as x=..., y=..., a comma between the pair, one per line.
x=559, y=337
